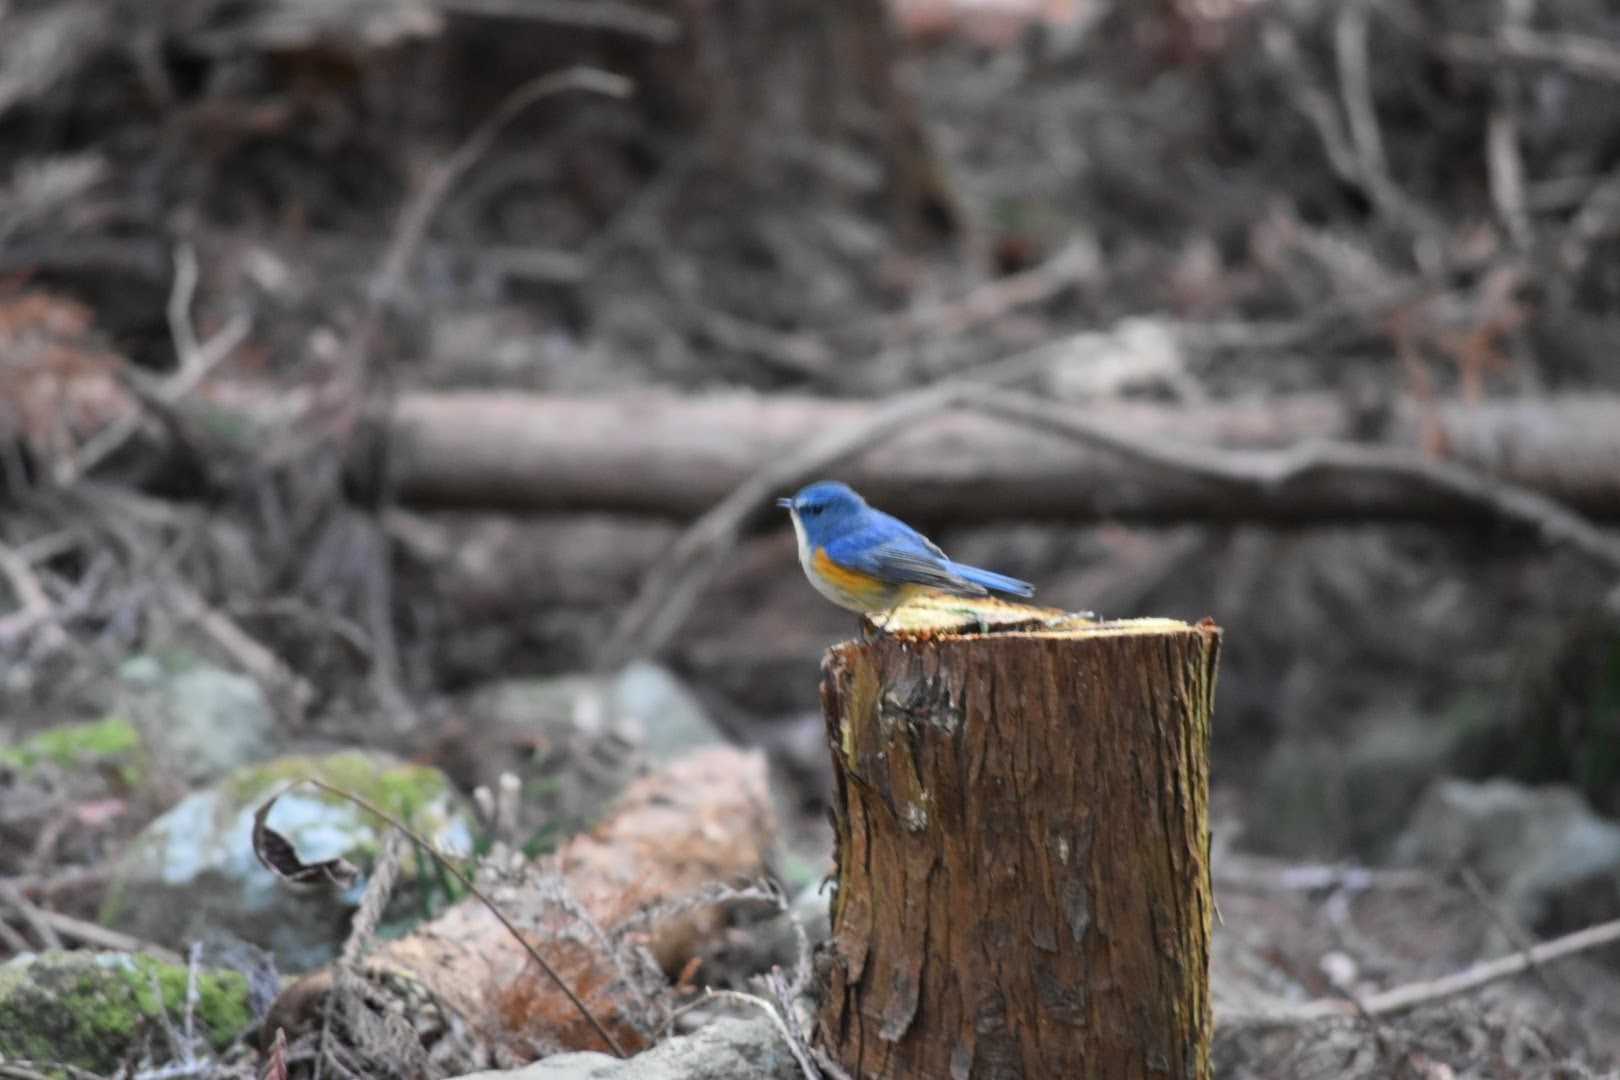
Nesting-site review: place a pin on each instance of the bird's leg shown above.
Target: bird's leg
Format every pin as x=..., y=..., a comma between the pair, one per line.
x=873, y=628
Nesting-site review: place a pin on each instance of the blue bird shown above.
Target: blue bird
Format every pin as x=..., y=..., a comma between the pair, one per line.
x=867, y=561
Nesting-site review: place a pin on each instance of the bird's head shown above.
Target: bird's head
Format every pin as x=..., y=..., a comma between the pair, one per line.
x=823, y=509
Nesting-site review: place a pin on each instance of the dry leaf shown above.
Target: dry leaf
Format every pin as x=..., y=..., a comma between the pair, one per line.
x=278, y=856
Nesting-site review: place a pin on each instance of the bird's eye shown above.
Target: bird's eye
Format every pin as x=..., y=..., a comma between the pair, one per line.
x=812, y=510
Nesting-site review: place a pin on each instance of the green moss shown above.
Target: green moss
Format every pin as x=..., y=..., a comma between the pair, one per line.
x=222, y=1005
x=400, y=788
x=112, y=739
x=95, y=1010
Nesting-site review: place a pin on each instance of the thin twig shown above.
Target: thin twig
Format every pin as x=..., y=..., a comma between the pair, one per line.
x=178, y=310
x=1250, y=873
x=1586, y=56
x=1519, y=937
x=13, y=941
x=242, y=647
x=16, y=1070
x=1428, y=991
x=193, y=965
x=671, y=588
x=1504, y=162
x=611, y=15
x=12, y=897
x=194, y=361
x=379, y=889
x=98, y=936
x=418, y=213
x=386, y=285
x=1594, y=218
x=1354, y=161
x=1350, y=31
x=828, y=1065
x=466, y=883
x=795, y=1046
x=34, y=604
x=1072, y=263
x=795, y=353
x=378, y=601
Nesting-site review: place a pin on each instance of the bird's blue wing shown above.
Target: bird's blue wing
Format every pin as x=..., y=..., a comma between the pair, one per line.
x=893, y=551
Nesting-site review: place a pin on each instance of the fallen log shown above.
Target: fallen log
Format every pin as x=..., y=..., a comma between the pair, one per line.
x=667, y=454
x=1023, y=883
x=704, y=819
x=674, y=455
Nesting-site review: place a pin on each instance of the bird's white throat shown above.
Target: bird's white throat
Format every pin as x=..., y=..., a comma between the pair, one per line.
x=804, y=541
x=821, y=584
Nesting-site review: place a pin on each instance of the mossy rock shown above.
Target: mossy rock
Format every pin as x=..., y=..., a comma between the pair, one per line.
x=96, y=1011
x=193, y=868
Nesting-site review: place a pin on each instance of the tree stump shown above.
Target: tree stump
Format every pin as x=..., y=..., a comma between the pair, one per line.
x=1023, y=882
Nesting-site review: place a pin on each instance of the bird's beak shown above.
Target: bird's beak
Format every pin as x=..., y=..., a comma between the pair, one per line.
x=786, y=504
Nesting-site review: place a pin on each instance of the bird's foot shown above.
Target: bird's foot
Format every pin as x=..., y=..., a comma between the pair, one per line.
x=873, y=627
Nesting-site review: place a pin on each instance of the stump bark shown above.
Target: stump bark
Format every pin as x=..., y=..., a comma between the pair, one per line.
x=1023, y=882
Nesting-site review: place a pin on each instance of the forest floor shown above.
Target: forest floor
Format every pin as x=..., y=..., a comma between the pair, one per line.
x=233, y=237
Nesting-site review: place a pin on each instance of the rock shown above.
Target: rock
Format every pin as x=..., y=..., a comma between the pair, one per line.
x=662, y=716
x=1558, y=720
x=1299, y=800
x=728, y=1049
x=643, y=704
x=1388, y=765
x=193, y=868
x=1320, y=798
x=103, y=1011
x=1538, y=848
x=575, y=741
x=196, y=720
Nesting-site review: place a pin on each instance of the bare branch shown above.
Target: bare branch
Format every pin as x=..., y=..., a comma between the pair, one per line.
x=1585, y=56
x=668, y=593
x=611, y=15
x=1322, y=463
x=1429, y=991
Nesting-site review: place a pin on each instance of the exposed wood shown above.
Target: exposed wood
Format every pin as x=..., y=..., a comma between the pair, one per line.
x=704, y=818
x=1023, y=884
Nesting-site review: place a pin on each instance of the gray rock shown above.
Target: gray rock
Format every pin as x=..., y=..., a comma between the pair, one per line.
x=1388, y=765
x=728, y=1049
x=1323, y=798
x=662, y=716
x=1300, y=803
x=197, y=721
x=193, y=868
x=643, y=704
x=594, y=734
x=1534, y=846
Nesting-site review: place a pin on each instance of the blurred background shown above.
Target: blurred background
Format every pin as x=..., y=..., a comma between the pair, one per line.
x=364, y=362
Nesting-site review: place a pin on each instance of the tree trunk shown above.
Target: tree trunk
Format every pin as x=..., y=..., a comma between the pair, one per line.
x=1023, y=853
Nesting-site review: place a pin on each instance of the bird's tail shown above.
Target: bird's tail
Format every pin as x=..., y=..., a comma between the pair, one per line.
x=998, y=582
